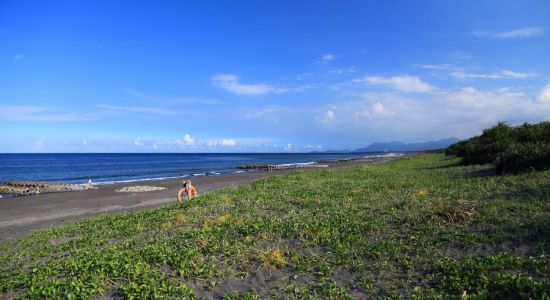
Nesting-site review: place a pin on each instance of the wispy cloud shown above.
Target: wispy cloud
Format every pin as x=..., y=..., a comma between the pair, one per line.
x=518, y=33
x=232, y=84
x=32, y=113
x=147, y=110
x=188, y=143
x=18, y=57
x=309, y=147
x=327, y=58
x=408, y=84
x=500, y=75
x=342, y=71
x=445, y=67
x=171, y=99
x=272, y=113
x=228, y=143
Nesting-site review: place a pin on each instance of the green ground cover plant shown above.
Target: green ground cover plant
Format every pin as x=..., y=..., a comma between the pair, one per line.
x=421, y=227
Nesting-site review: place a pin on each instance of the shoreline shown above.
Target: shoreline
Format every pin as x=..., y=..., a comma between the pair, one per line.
x=20, y=216
x=236, y=169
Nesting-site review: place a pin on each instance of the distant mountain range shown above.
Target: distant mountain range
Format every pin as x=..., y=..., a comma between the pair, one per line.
x=399, y=146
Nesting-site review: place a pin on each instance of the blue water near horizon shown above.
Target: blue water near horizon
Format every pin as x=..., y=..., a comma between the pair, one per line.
x=125, y=167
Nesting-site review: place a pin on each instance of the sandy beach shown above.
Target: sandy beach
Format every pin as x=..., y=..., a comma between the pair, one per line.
x=20, y=216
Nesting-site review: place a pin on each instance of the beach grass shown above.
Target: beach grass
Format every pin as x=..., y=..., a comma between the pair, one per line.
x=419, y=227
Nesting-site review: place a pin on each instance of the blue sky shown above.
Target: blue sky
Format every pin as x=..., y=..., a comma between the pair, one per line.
x=269, y=76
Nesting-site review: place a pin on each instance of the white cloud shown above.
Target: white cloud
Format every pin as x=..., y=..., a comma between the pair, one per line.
x=519, y=33
x=271, y=113
x=342, y=71
x=228, y=143
x=18, y=57
x=148, y=110
x=500, y=75
x=171, y=99
x=326, y=116
x=460, y=112
x=327, y=58
x=288, y=147
x=544, y=95
x=462, y=75
x=400, y=83
x=33, y=113
x=138, y=142
x=188, y=140
x=437, y=67
x=330, y=116
x=223, y=143
x=231, y=83
x=512, y=74
x=85, y=142
x=378, y=108
x=312, y=147
x=375, y=110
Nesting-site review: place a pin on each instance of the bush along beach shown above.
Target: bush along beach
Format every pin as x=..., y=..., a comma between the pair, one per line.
x=420, y=227
x=511, y=149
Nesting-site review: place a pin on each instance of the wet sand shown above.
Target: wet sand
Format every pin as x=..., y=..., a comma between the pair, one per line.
x=20, y=216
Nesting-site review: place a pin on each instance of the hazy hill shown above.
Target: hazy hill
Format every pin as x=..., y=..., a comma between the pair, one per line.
x=400, y=146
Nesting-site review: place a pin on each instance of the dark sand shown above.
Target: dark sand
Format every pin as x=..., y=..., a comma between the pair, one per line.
x=19, y=216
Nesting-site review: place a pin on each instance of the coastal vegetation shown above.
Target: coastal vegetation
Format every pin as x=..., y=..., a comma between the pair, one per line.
x=511, y=149
x=420, y=227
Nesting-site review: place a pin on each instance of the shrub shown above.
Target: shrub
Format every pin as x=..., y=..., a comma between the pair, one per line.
x=511, y=149
x=533, y=133
x=521, y=157
x=457, y=149
x=485, y=148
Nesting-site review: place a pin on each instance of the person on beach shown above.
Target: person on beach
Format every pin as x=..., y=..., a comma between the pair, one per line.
x=89, y=184
x=189, y=189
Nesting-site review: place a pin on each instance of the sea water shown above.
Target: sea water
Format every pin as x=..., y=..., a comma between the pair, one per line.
x=110, y=168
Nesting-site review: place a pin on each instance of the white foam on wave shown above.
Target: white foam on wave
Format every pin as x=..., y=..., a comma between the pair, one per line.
x=218, y=173
x=136, y=180
x=295, y=164
x=153, y=178
x=385, y=155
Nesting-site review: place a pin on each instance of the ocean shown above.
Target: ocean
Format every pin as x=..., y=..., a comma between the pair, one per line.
x=111, y=168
